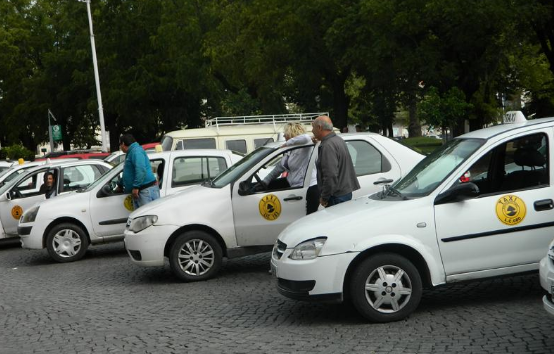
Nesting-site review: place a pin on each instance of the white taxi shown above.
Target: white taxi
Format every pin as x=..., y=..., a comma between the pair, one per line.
x=232, y=216
x=546, y=272
x=21, y=193
x=480, y=206
x=66, y=225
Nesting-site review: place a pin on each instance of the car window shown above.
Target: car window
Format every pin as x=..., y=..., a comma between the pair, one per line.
x=262, y=142
x=30, y=185
x=520, y=163
x=158, y=170
x=187, y=144
x=366, y=158
x=77, y=177
x=189, y=170
x=236, y=145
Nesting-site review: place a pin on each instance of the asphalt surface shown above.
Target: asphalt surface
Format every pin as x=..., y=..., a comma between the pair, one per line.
x=106, y=304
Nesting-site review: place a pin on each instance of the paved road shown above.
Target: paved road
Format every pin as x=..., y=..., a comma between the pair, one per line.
x=105, y=304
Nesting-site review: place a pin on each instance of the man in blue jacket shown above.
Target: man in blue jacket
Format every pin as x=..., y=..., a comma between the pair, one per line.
x=138, y=178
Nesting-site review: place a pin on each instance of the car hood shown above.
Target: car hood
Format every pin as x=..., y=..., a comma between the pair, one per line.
x=348, y=226
x=190, y=204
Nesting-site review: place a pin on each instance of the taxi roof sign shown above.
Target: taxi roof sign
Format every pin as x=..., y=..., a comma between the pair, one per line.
x=514, y=117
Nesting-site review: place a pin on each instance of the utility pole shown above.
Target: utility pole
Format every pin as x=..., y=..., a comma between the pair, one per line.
x=97, y=79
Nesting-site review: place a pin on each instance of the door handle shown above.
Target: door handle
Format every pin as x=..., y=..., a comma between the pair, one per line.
x=545, y=204
x=294, y=197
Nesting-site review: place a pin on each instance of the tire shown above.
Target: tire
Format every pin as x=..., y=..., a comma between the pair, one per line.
x=378, y=295
x=195, y=256
x=67, y=242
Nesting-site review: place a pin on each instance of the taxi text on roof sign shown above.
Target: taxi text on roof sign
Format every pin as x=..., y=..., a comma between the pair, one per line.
x=514, y=117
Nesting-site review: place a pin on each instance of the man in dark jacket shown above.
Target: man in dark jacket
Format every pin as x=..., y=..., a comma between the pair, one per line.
x=336, y=177
x=138, y=178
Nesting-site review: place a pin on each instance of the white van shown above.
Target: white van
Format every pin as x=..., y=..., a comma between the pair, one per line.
x=241, y=134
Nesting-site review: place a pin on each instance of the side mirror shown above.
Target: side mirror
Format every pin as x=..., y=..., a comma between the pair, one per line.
x=105, y=191
x=458, y=193
x=244, y=188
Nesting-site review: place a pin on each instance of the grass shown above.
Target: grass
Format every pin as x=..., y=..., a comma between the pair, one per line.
x=422, y=144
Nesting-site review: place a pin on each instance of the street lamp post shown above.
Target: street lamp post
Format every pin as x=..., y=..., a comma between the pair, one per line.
x=97, y=79
x=50, y=130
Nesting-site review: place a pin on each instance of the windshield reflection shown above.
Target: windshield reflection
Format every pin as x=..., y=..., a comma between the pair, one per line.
x=430, y=172
x=237, y=170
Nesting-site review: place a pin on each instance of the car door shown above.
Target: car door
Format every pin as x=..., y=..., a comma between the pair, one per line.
x=371, y=163
x=108, y=209
x=23, y=195
x=509, y=223
x=187, y=171
x=260, y=215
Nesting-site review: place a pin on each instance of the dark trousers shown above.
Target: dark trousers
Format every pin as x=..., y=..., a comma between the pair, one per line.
x=312, y=199
x=334, y=200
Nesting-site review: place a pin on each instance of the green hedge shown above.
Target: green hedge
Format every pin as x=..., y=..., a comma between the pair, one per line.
x=423, y=144
x=16, y=152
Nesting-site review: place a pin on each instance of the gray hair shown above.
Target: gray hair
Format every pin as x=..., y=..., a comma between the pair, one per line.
x=323, y=124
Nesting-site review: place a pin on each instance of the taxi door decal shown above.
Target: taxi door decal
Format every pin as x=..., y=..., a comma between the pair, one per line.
x=270, y=207
x=17, y=211
x=128, y=203
x=510, y=210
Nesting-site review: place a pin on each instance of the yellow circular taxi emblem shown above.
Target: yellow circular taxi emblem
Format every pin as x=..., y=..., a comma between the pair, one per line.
x=510, y=209
x=128, y=202
x=16, y=212
x=270, y=207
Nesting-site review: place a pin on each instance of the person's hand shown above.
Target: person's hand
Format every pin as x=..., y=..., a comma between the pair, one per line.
x=323, y=203
x=135, y=193
x=314, y=140
x=118, y=189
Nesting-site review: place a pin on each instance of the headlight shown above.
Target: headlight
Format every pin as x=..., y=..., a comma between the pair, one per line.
x=30, y=215
x=308, y=249
x=142, y=222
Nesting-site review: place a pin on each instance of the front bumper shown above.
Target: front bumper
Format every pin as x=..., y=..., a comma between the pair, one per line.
x=31, y=236
x=546, y=273
x=320, y=279
x=146, y=248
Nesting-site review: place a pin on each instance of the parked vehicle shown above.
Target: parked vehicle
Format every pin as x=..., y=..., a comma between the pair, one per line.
x=546, y=272
x=67, y=225
x=463, y=213
x=241, y=134
x=24, y=191
x=77, y=154
x=232, y=216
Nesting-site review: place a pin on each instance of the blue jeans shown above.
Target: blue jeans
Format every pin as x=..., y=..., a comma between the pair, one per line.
x=146, y=196
x=334, y=200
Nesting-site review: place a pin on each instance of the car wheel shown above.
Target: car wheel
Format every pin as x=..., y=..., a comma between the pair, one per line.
x=67, y=242
x=195, y=255
x=386, y=287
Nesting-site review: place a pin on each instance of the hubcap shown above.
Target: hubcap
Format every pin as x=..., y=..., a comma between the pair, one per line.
x=388, y=289
x=66, y=243
x=196, y=257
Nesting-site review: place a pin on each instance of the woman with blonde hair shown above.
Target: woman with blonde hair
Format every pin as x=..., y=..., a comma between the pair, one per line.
x=295, y=163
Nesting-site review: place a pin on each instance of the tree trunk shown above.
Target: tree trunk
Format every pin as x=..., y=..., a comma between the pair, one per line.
x=414, y=128
x=340, y=105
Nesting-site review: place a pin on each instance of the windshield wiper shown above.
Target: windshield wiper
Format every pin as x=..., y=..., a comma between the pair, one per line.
x=391, y=190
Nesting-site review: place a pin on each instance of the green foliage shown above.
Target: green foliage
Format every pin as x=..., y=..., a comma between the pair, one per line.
x=422, y=144
x=15, y=152
x=443, y=110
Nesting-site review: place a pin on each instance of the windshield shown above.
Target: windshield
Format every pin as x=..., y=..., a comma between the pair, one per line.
x=167, y=143
x=430, y=172
x=237, y=170
x=104, y=177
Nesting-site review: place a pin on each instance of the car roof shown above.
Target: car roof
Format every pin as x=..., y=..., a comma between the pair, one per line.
x=490, y=132
x=66, y=163
x=190, y=152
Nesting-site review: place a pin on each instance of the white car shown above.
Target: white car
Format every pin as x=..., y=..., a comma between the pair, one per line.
x=15, y=169
x=228, y=217
x=546, y=272
x=67, y=225
x=21, y=193
x=4, y=165
x=462, y=213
